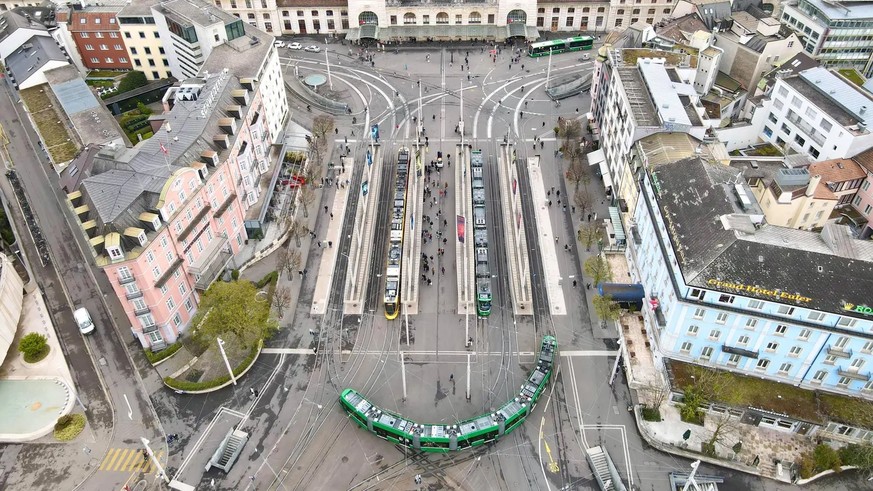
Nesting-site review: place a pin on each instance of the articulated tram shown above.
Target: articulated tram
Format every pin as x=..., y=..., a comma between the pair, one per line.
x=444, y=438
x=395, y=238
x=480, y=236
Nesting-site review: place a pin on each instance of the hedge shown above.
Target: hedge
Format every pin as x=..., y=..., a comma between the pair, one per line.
x=187, y=386
x=69, y=427
x=163, y=354
x=267, y=279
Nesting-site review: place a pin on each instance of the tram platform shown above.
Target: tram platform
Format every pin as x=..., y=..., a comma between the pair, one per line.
x=330, y=242
x=464, y=253
x=514, y=236
x=409, y=283
x=355, y=287
x=547, y=239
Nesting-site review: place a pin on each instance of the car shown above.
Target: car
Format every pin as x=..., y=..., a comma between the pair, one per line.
x=312, y=49
x=294, y=181
x=295, y=46
x=83, y=320
x=280, y=44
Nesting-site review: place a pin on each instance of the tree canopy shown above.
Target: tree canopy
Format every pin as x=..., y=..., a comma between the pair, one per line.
x=234, y=308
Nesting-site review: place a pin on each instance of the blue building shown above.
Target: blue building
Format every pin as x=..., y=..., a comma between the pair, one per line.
x=727, y=290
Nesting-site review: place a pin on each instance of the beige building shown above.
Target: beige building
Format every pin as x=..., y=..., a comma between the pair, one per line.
x=790, y=197
x=12, y=295
x=142, y=39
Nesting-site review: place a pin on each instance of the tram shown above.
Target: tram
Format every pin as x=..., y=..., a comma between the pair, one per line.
x=395, y=237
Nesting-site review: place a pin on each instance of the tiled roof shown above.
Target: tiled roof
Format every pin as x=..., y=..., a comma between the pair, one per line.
x=94, y=21
x=837, y=170
x=865, y=159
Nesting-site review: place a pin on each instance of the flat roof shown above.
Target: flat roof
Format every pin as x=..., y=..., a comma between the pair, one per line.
x=642, y=107
x=665, y=92
x=845, y=95
x=201, y=13
x=843, y=10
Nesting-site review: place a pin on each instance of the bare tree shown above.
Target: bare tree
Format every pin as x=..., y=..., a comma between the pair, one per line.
x=289, y=261
x=296, y=229
x=583, y=200
x=588, y=233
x=724, y=427
x=322, y=125
x=281, y=299
x=307, y=196
x=576, y=168
x=656, y=394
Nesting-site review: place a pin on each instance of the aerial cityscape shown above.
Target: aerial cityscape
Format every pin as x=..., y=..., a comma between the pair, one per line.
x=436, y=245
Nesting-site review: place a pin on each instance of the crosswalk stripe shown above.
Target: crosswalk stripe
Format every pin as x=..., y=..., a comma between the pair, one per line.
x=110, y=459
x=107, y=458
x=128, y=461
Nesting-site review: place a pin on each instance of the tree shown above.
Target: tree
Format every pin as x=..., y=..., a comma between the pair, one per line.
x=583, y=200
x=289, y=261
x=142, y=108
x=34, y=346
x=860, y=456
x=322, y=125
x=576, y=168
x=307, y=196
x=296, y=229
x=724, y=427
x=605, y=308
x=597, y=267
x=588, y=234
x=233, y=309
x=133, y=80
x=281, y=299
x=653, y=397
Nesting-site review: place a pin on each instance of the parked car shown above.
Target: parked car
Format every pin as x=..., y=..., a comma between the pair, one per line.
x=312, y=49
x=293, y=182
x=83, y=320
x=280, y=44
x=295, y=46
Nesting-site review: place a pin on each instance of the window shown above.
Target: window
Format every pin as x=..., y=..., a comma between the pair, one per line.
x=686, y=347
x=771, y=346
x=393, y=20
x=847, y=322
x=714, y=334
x=706, y=353
x=844, y=381
x=816, y=316
x=743, y=340
x=768, y=132
x=556, y=10
x=830, y=359
x=182, y=288
x=89, y=47
x=697, y=293
x=795, y=351
x=699, y=313
x=721, y=318
x=133, y=51
x=804, y=334
x=762, y=364
x=636, y=11
x=189, y=306
x=785, y=310
x=83, y=35
x=781, y=329
x=725, y=298
x=796, y=102
x=692, y=330
x=782, y=91
x=475, y=18
x=784, y=368
x=177, y=320
x=733, y=360
x=171, y=304
x=825, y=125
x=569, y=22
x=127, y=35
x=867, y=388
x=150, y=257
x=756, y=304
x=778, y=104
x=867, y=348
x=819, y=376
x=799, y=140
x=842, y=341
x=156, y=272
x=118, y=47
x=857, y=363
x=751, y=324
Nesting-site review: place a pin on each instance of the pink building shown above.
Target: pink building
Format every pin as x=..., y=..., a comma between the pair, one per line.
x=164, y=219
x=863, y=201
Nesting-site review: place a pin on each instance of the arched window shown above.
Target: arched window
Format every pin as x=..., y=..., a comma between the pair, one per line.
x=442, y=18
x=516, y=16
x=619, y=12
x=368, y=18
x=408, y=18
x=475, y=18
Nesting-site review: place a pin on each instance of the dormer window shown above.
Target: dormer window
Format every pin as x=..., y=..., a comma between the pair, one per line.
x=115, y=252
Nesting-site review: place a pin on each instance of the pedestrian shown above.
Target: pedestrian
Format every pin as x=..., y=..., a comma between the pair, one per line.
x=331, y=216
x=451, y=377
x=588, y=286
x=589, y=217
x=325, y=208
x=145, y=455
x=556, y=239
x=544, y=124
x=595, y=216
x=522, y=87
x=443, y=270
x=319, y=244
x=252, y=478
x=573, y=208
x=558, y=192
x=252, y=390
x=434, y=117
x=346, y=139
x=330, y=243
x=336, y=131
x=574, y=283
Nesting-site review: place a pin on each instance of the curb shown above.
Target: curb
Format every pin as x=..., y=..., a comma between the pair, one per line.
x=229, y=382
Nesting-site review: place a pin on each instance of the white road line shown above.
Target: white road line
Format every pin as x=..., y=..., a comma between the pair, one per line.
x=589, y=353
x=566, y=353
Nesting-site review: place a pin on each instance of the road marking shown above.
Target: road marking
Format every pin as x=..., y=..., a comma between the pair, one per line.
x=589, y=353
x=308, y=351
x=126, y=460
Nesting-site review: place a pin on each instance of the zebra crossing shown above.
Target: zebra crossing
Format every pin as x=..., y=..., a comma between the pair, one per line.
x=127, y=460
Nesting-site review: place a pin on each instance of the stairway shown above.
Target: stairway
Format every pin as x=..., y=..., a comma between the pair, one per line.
x=227, y=453
x=604, y=471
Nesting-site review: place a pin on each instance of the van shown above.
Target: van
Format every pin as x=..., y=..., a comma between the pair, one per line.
x=83, y=320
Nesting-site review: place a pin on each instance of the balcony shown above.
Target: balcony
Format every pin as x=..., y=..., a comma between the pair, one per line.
x=131, y=296
x=210, y=263
x=839, y=352
x=865, y=377
x=169, y=272
x=142, y=311
x=151, y=328
x=124, y=280
x=806, y=128
x=224, y=206
x=196, y=220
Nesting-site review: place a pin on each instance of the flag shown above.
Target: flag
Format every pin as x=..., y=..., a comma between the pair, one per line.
x=164, y=149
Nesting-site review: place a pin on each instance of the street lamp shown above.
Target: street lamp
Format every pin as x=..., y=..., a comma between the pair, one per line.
x=226, y=362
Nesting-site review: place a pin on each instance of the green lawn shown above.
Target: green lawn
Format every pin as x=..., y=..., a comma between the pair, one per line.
x=35, y=100
x=105, y=73
x=812, y=406
x=852, y=75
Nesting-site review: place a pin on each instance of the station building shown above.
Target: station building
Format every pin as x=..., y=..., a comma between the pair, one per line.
x=727, y=290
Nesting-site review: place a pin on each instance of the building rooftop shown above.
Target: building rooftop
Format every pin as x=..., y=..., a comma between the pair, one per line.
x=127, y=182
x=823, y=101
x=748, y=21
x=91, y=15
x=845, y=95
x=32, y=56
x=201, y=13
x=11, y=21
x=820, y=271
x=663, y=148
x=139, y=8
x=91, y=120
x=865, y=159
x=844, y=10
x=642, y=108
x=243, y=56
x=681, y=28
x=837, y=170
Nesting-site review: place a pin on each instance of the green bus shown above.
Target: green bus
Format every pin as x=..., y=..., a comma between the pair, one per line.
x=556, y=46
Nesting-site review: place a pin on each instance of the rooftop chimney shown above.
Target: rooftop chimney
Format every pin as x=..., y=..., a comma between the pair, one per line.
x=813, y=183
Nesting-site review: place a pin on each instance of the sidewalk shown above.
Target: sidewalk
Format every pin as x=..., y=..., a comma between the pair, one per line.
x=337, y=214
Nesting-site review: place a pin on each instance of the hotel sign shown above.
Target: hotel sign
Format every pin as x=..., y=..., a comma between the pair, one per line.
x=858, y=309
x=776, y=294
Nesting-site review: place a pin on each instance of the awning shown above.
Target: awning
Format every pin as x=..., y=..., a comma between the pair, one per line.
x=623, y=292
x=617, y=227
x=597, y=158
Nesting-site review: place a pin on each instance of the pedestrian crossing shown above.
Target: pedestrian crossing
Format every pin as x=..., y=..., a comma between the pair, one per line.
x=127, y=460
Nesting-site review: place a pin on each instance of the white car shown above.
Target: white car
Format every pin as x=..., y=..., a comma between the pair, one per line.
x=312, y=49
x=280, y=44
x=295, y=46
x=83, y=320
